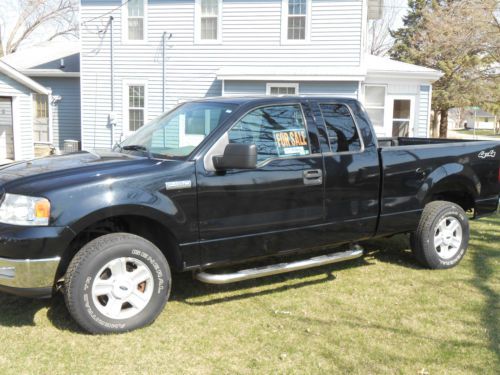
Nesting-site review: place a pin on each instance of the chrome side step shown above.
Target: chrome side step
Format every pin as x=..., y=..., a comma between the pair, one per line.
x=253, y=273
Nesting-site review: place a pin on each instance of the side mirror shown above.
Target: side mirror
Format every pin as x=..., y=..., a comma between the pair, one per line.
x=237, y=156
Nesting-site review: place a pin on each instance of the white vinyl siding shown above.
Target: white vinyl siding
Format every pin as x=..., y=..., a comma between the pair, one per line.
x=344, y=89
x=422, y=121
x=250, y=36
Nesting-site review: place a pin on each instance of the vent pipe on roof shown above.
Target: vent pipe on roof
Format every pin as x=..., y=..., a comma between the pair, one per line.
x=61, y=64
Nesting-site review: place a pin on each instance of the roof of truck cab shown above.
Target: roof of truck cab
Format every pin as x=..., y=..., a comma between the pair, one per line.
x=239, y=100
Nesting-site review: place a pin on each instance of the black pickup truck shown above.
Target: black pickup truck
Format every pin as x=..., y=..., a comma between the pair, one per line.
x=227, y=180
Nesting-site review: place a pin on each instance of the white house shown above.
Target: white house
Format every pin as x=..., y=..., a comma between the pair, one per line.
x=140, y=58
x=39, y=99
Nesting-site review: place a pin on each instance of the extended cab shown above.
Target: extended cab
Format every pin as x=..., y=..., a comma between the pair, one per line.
x=226, y=180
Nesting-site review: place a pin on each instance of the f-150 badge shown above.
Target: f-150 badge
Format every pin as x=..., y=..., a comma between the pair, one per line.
x=487, y=154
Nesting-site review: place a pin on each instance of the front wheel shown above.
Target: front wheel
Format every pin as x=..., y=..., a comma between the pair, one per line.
x=442, y=235
x=117, y=283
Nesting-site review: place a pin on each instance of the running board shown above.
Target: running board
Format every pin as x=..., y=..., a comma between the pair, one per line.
x=253, y=273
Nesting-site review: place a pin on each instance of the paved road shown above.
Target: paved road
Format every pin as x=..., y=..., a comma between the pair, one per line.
x=470, y=135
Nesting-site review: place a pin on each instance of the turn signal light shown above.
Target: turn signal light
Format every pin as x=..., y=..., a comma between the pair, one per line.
x=42, y=209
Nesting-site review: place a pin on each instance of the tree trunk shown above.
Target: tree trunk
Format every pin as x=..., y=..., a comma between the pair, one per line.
x=434, y=124
x=443, y=123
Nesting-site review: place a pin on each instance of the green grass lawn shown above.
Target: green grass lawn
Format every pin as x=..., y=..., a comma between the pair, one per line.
x=489, y=133
x=376, y=315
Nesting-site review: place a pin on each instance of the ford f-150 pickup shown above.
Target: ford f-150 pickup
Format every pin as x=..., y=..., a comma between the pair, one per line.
x=226, y=180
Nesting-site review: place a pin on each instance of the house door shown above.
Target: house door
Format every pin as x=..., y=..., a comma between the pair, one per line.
x=6, y=129
x=402, y=117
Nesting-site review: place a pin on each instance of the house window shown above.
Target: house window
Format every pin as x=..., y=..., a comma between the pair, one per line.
x=208, y=19
x=278, y=89
x=40, y=118
x=295, y=21
x=375, y=104
x=136, y=19
x=136, y=107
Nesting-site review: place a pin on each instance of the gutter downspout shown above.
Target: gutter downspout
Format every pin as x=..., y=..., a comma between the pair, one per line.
x=111, y=119
x=163, y=73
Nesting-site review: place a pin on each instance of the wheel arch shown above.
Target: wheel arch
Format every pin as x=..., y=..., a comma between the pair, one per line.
x=153, y=226
x=455, y=183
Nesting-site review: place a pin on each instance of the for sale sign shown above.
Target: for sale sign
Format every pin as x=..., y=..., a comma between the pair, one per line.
x=292, y=142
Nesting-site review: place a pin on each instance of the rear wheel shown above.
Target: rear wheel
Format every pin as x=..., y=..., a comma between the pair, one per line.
x=117, y=283
x=442, y=235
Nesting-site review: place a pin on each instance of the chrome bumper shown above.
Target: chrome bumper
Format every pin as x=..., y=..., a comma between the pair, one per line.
x=28, y=273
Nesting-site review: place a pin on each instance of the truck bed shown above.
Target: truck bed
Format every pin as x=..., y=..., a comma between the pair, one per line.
x=415, y=170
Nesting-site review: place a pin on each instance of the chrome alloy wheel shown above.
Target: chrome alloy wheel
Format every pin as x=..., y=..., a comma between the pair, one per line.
x=448, y=237
x=122, y=288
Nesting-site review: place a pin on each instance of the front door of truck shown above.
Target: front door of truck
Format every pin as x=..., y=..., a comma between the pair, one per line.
x=273, y=208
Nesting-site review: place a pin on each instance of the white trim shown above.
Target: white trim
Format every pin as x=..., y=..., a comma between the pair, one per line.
x=124, y=14
x=125, y=85
x=429, y=109
x=50, y=73
x=21, y=78
x=364, y=35
x=281, y=84
x=16, y=128
x=284, y=24
x=197, y=24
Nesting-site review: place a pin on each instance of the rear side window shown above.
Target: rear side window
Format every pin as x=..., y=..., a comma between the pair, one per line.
x=277, y=131
x=341, y=129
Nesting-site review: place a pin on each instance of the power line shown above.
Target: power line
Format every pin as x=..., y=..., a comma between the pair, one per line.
x=105, y=14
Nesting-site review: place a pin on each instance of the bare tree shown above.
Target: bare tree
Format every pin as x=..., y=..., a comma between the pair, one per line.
x=380, y=40
x=52, y=17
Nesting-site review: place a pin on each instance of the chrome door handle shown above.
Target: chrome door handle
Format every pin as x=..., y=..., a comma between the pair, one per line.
x=313, y=177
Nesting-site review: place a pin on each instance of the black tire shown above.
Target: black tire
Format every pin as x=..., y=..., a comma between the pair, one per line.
x=422, y=241
x=126, y=251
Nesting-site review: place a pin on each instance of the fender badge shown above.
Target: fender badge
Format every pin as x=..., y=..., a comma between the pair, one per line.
x=174, y=185
x=487, y=154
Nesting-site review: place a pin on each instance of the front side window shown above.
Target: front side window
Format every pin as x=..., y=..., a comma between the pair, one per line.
x=40, y=118
x=295, y=19
x=180, y=131
x=136, y=108
x=341, y=129
x=209, y=12
x=277, y=131
x=135, y=19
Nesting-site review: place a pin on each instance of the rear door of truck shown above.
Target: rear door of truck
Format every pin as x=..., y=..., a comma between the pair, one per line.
x=352, y=171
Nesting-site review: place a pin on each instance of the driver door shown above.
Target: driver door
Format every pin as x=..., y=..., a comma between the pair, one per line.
x=272, y=209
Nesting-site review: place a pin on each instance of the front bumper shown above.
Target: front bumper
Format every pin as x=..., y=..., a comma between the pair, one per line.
x=30, y=257
x=28, y=277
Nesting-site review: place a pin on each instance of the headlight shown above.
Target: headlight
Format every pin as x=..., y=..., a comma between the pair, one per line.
x=23, y=210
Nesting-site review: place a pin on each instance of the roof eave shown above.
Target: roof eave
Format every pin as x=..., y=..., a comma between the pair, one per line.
x=23, y=79
x=430, y=76
x=50, y=73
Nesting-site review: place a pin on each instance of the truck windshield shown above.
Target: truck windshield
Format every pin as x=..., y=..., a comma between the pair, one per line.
x=180, y=131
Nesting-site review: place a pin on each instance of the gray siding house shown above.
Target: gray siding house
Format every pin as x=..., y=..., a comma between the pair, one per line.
x=140, y=58
x=39, y=99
